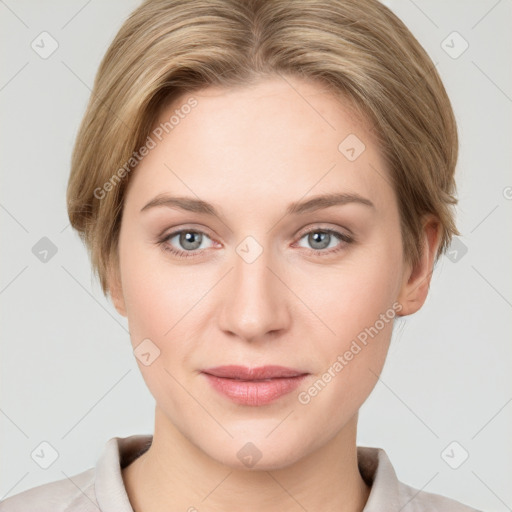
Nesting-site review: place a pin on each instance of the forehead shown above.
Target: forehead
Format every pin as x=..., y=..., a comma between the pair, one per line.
x=277, y=136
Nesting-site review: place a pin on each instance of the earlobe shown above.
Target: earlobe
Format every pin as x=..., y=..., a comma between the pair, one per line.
x=417, y=278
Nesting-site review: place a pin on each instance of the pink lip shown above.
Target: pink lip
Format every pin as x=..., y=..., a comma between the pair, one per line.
x=254, y=386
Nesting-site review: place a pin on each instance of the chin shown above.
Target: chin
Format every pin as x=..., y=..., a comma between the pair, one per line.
x=258, y=451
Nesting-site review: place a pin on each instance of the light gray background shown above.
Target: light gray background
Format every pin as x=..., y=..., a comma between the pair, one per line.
x=67, y=370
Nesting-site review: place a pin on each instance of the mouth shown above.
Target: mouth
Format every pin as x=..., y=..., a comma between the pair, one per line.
x=254, y=386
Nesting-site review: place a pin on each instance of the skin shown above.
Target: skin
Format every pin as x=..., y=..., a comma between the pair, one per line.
x=252, y=151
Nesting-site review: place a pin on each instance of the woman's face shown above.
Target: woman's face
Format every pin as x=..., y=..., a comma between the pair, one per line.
x=275, y=277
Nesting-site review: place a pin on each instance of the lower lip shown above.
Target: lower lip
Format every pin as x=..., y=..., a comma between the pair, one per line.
x=254, y=392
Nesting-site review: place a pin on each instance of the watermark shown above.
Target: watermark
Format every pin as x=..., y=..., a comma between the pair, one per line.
x=44, y=250
x=454, y=45
x=44, y=455
x=342, y=360
x=455, y=455
x=44, y=45
x=457, y=250
x=151, y=142
x=351, y=147
x=249, y=249
x=249, y=454
x=146, y=352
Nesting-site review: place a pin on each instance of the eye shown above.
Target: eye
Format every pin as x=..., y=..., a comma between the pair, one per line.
x=188, y=241
x=326, y=241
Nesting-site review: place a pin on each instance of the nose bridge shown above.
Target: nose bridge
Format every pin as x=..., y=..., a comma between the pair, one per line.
x=255, y=303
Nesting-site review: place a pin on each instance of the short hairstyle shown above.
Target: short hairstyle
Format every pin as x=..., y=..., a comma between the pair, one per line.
x=358, y=49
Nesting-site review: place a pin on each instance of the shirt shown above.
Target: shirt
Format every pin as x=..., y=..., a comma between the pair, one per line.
x=102, y=488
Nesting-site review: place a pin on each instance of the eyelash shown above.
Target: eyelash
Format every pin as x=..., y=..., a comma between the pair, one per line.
x=344, y=238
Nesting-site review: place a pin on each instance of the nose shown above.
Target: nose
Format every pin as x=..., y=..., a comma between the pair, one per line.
x=255, y=304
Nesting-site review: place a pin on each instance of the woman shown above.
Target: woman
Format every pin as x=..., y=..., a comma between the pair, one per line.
x=263, y=187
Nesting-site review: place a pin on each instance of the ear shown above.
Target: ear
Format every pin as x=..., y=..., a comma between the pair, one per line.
x=115, y=289
x=416, y=279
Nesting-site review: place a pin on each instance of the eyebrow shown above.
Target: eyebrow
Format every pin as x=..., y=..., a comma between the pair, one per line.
x=315, y=203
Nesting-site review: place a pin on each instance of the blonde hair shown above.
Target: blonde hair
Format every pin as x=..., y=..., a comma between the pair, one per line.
x=358, y=48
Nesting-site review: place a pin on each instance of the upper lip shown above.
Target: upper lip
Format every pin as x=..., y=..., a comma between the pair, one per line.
x=257, y=373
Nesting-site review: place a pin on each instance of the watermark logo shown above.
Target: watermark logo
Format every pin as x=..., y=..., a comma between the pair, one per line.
x=146, y=352
x=457, y=250
x=44, y=455
x=249, y=249
x=249, y=455
x=44, y=250
x=351, y=147
x=455, y=455
x=44, y=45
x=454, y=45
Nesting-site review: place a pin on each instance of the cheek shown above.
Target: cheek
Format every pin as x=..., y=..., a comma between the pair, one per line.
x=154, y=308
x=165, y=304
x=356, y=303
x=360, y=312
x=157, y=316
x=351, y=296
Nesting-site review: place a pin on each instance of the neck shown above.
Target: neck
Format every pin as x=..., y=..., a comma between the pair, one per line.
x=176, y=475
